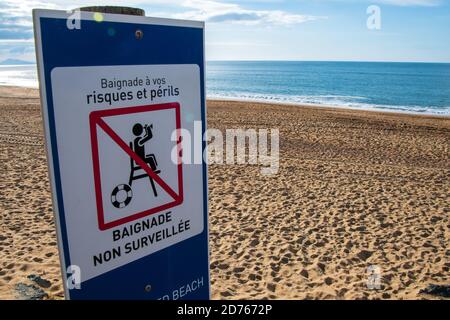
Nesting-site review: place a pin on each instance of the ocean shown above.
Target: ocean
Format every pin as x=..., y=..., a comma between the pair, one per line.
x=22, y=76
x=402, y=87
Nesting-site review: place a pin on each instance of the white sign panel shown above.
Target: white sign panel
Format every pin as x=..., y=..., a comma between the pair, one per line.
x=111, y=121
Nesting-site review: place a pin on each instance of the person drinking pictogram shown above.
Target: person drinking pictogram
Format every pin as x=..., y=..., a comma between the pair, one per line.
x=143, y=134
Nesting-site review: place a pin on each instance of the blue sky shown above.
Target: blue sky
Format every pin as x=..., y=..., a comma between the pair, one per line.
x=411, y=30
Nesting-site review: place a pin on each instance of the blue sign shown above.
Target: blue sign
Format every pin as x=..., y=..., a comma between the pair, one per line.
x=123, y=104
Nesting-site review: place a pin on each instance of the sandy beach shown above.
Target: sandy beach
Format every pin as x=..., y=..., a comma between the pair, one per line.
x=355, y=189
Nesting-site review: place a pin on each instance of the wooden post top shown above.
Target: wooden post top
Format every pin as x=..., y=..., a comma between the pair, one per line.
x=115, y=10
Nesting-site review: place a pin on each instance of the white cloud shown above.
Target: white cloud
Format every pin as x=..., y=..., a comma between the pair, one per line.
x=408, y=3
x=16, y=41
x=15, y=16
x=19, y=11
x=237, y=44
x=216, y=12
x=400, y=3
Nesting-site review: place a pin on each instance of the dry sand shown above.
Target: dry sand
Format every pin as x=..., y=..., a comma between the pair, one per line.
x=354, y=189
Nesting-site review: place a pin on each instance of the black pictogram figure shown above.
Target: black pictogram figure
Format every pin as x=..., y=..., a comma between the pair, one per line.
x=122, y=194
x=143, y=134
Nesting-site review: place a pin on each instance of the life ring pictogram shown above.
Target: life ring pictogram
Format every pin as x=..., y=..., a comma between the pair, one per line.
x=124, y=198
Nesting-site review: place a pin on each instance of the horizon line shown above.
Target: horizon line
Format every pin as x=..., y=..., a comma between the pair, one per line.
x=306, y=60
x=26, y=62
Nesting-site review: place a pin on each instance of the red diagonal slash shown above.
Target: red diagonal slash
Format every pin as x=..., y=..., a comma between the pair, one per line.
x=136, y=158
x=95, y=118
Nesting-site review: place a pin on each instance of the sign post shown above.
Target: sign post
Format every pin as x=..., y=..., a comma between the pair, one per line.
x=116, y=93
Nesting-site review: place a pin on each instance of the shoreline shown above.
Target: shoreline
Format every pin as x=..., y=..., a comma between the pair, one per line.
x=330, y=107
x=292, y=104
x=298, y=104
